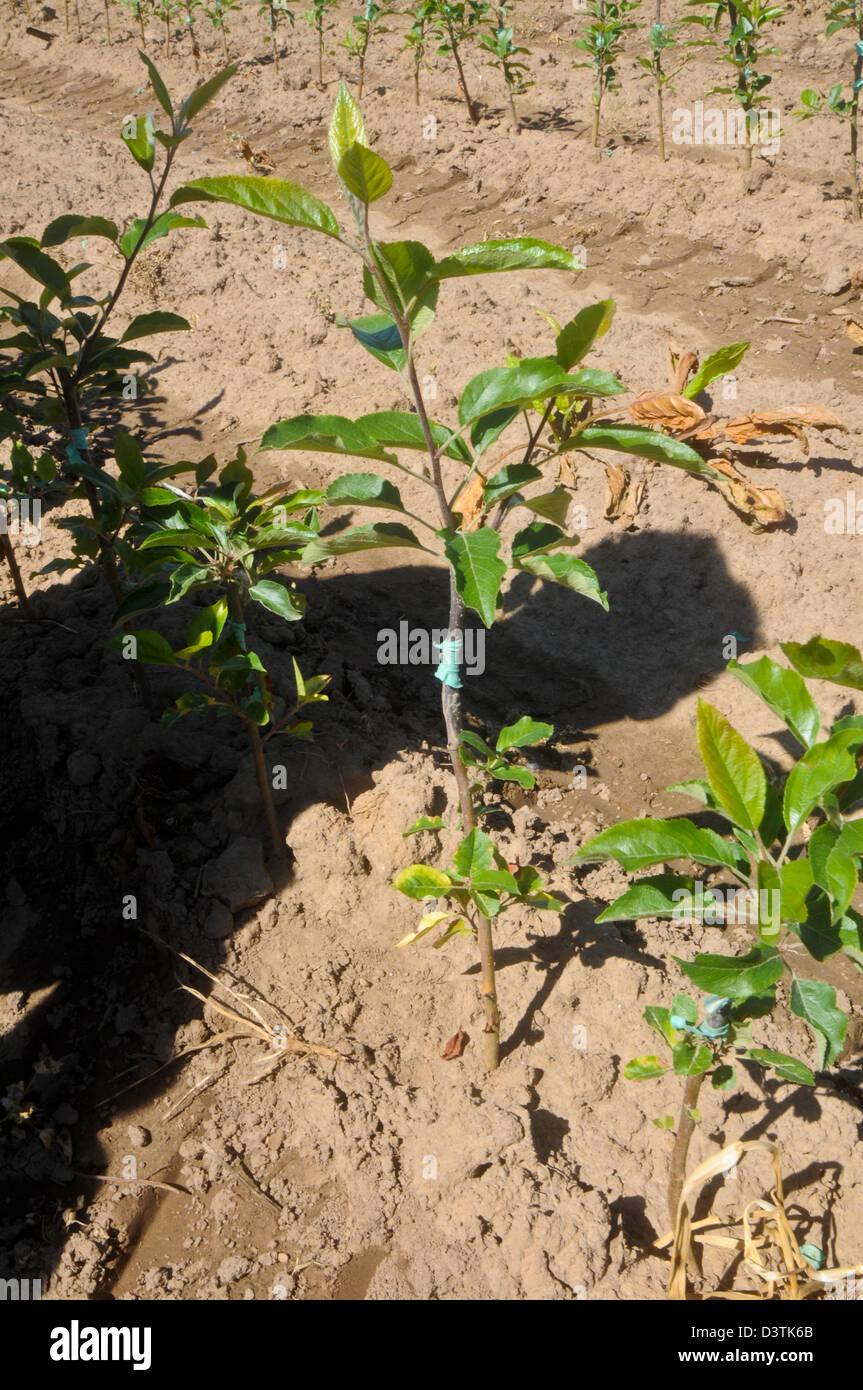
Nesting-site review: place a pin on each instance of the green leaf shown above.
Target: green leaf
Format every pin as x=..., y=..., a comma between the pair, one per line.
x=823, y=767
x=577, y=337
x=823, y=659
x=422, y=881
x=554, y=505
x=508, y=481
x=643, y=442
x=525, y=733
x=135, y=238
x=733, y=768
x=399, y=429
x=140, y=143
x=424, y=823
x=786, y=1067
x=644, y=1069
x=268, y=197
x=346, y=125
x=697, y=789
x=568, y=571
x=718, y=363
x=636, y=844
x=328, y=434
x=364, y=490
x=158, y=85
x=724, y=1078
x=520, y=253
x=691, y=1059
x=478, y=569
x=379, y=335
x=653, y=897
x=735, y=977
x=365, y=174
x=684, y=1006
x=130, y=461
x=71, y=225
x=537, y=538
x=29, y=258
x=382, y=535
x=150, y=647
x=815, y=1003
x=784, y=693
x=143, y=325
x=204, y=93
x=535, y=378
x=278, y=599
x=660, y=1021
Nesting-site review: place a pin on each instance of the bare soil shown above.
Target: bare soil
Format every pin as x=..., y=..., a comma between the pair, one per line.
x=389, y=1173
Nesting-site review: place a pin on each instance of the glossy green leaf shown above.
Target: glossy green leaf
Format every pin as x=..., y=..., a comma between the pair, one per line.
x=644, y=1069
x=734, y=769
x=382, y=535
x=826, y=660
x=637, y=844
x=786, y=1067
x=267, y=197
x=577, y=337
x=525, y=733
x=718, y=363
x=159, y=321
x=520, y=253
x=364, y=490
x=328, y=434
x=654, y=897
x=478, y=569
x=364, y=173
x=278, y=599
x=568, y=571
x=71, y=225
x=823, y=767
x=643, y=442
x=784, y=693
x=346, y=125
x=815, y=1003
x=735, y=977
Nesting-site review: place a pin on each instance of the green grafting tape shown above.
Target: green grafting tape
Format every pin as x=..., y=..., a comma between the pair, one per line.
x=813, y=1255
x=713, y=1005
x=447, y=672
x=77, y=442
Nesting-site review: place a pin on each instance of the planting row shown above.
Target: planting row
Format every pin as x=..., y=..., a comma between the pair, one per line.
x=739, y=33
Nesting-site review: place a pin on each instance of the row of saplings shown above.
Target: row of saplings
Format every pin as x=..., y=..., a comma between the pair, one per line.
x=789, y=844
x=739, y=31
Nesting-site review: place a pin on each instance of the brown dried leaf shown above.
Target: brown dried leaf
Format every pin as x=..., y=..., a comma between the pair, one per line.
x=786, y=421
x=622, y=500
x=469, y=503
x=566, y=476
x=763, y=506
x=455, y=1046
x=669, y=411
x=854, y=331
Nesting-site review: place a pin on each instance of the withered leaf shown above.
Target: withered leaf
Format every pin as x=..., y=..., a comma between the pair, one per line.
x=469, y=503
x=455, y=1046
x=622, y=500
x=789, y=420
x=760, y=506
x=670, y=411
x=854, y=331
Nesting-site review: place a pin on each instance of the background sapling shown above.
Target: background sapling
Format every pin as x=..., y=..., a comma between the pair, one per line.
x=786, y=865
x=217, y=14
x=417, y=40
x=842, y=15
x=455, y=25
x=275, y=12
x=316, y=17
x=359, y=36
x=508, y=58
x=662, y=42
x=743, y=47
x=602, y=41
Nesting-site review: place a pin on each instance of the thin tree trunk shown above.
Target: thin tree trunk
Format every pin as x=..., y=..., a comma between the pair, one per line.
x=514, y=112
x=596, y=109
x=107, y=21
x=277, y=840
x=685, y=1128
x=143, y=32
x=320, y=57
x=417, y=85
x=661, y=122
x=8, y=554
x=855, y=108
x=462, y=79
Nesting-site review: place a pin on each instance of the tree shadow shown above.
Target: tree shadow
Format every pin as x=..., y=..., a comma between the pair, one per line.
x=99, y=804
